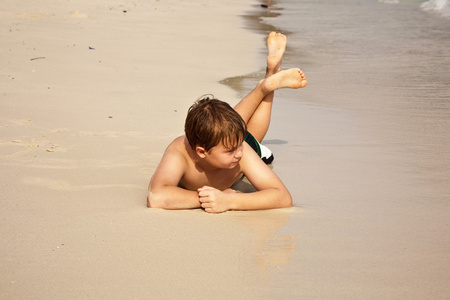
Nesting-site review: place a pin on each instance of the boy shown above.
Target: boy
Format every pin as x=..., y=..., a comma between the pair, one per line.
x=198, y=169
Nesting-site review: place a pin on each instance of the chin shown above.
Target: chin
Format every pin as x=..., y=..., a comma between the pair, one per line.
x=233, y=165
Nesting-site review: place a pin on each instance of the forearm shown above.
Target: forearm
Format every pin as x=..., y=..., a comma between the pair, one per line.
x=172, y=197
x=264, y=199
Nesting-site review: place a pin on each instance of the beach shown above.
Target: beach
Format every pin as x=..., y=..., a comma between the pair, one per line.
x=93, y=92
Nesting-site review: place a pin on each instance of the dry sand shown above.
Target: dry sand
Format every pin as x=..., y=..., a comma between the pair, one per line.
x=92, y=93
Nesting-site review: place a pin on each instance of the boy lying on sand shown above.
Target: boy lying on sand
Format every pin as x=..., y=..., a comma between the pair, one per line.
x=198, y=169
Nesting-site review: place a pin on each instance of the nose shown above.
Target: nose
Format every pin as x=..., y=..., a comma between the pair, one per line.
x=239, y=151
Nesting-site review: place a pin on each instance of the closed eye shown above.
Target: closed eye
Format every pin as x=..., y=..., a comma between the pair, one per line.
x=234, y=149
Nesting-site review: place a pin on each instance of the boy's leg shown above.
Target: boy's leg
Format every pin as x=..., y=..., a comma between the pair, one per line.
x=256, y=111
x=259, y=122
x=256, y=107
x=293, y=78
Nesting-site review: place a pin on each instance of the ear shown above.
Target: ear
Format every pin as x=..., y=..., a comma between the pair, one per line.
x=201, y=152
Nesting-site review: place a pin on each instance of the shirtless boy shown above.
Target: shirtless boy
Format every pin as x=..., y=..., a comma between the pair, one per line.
x=198, y=169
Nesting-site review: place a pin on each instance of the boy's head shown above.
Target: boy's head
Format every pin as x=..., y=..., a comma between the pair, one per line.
x=210, y=122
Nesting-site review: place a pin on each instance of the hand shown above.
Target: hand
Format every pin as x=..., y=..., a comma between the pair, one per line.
x=214, y=200
x=229, y=191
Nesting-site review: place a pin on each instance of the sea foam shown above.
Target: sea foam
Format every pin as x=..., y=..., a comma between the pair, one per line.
x=440, y=6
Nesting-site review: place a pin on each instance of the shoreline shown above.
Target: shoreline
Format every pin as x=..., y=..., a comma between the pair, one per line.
x=253, y=24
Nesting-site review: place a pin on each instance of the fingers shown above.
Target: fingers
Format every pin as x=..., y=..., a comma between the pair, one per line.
x=206, y=205
x=203, y=197
x=205, y=191
x=205, y=188
x=202, y=193
x=212, y=210
x=209, y=199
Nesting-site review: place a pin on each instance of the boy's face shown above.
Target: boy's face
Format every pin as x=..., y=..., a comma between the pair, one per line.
x=223, y=157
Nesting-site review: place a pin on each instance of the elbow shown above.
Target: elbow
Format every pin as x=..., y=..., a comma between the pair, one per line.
x=289, y=202
x=286, y=200
x=154, y=200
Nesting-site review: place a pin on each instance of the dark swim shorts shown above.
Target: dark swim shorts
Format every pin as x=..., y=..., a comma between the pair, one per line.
x=262, y=151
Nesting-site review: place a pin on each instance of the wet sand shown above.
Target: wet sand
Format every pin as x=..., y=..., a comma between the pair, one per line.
x=363, y=149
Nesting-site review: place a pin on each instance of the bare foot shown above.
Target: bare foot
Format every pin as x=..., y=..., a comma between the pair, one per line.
x=292, y=78
x=276, y=44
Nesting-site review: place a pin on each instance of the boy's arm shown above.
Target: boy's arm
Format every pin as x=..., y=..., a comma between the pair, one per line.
x=271, y=191
x=163, y=191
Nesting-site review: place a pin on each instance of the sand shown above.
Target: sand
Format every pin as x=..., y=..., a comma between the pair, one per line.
x=92, y=93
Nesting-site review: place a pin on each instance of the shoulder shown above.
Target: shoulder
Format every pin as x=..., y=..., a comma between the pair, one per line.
x=177, y=148
x=173, y=164
x=178, y=142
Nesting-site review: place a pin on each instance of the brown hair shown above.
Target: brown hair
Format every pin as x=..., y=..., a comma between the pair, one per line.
x=211, y=121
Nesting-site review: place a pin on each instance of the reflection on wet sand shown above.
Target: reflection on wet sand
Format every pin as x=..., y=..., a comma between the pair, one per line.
x=272, y=249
